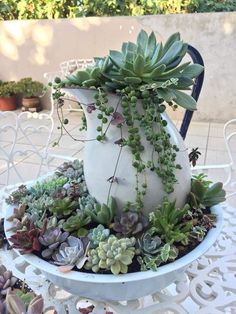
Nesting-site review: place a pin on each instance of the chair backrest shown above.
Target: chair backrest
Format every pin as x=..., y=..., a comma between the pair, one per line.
x=196, y=58
x=28, y=137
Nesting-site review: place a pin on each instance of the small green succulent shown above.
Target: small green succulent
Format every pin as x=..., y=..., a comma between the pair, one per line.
x=202, y=195
x=97, y=235
x=168, y=222
x=72, y=170
x=47, y=186
x=113, y=254
x=75, y=224
x=166, y=253
x=64, y=207
x=149, y=243
x=102, y=213
x=16, y=196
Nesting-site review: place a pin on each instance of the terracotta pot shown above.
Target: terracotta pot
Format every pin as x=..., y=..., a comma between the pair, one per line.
x=100, y=161
x=8, y=103
x=32, y=102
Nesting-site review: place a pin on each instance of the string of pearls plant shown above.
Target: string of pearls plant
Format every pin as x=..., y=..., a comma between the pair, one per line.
x=147, y=76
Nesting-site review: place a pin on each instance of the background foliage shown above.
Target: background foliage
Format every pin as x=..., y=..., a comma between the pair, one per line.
x=52, y=9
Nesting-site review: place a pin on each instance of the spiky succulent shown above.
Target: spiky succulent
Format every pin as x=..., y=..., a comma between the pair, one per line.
x=102, y=213
x=16, y=196
x=7, y=280
x=203, y=195
x=113, y=254
x=71, y=253
x=63, y=207
x=97, y=235
x=129, y=223
x=26, y=241
x=14, y=304
x=169, y=223
x=51, y=239
x=75, y=224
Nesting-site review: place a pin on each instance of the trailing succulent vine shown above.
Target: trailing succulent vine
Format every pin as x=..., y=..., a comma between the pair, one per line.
x=146, y=76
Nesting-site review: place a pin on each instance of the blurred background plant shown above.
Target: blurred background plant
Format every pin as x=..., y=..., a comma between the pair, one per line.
x=53, y=9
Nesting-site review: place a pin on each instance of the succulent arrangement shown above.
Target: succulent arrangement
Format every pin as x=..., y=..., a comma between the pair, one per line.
x=16, y=297
x=76, y=232
x=59, y=220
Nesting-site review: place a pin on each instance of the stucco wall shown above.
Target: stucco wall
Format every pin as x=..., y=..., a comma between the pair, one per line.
x=30, y=48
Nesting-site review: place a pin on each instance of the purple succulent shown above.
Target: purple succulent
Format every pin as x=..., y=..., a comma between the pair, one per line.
x=7, y=280
x=129, y=223
x=51, y=239
x=71, y=253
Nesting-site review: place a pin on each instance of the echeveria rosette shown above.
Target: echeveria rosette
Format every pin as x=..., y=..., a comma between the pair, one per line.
x=51, y=239
x=149, y=243
x=97, y=235
x=129, y=223
x=71, y=253
x=146, y=64
x=113, y=254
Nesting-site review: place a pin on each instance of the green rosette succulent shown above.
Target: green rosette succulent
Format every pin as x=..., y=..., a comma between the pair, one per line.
x=75, y=224
x=102, y=213
x=113, y=254
x=97, y=235
x=63, y=207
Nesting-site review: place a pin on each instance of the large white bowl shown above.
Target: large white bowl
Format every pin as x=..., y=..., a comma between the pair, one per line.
x=124, y=286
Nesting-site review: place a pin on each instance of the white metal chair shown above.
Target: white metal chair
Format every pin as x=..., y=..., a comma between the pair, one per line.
x=22, y=131
x=229, y=135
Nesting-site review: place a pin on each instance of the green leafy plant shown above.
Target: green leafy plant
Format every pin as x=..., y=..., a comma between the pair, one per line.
x=168, y=222
x=29, y=88
x=8, y=89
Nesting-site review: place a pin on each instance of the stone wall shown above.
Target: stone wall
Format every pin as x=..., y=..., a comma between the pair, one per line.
x=31, y=48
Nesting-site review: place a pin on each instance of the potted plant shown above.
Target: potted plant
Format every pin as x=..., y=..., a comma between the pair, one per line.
x=31, y=92
x=8, y=91
x=130, y=213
